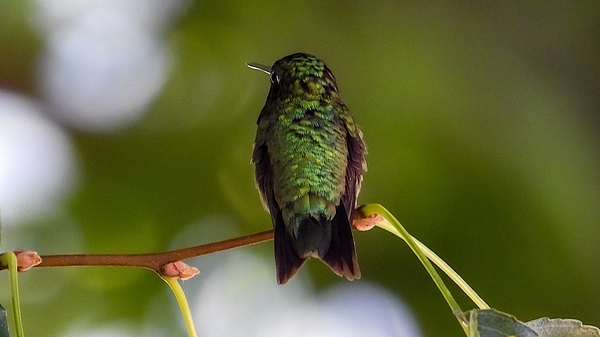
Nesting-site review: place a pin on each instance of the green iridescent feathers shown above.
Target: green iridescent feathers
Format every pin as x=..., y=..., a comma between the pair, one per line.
x=309, y=161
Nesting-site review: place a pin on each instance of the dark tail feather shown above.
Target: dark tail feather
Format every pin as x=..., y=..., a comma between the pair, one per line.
x=313, y=237
x=287, y=260
x=341, y=255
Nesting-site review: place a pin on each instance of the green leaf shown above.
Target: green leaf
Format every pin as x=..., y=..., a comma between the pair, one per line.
x=558, y=327
x=493, y=323
x=3, y=323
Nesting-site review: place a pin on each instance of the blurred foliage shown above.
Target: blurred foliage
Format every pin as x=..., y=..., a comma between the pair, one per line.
x=481, y=121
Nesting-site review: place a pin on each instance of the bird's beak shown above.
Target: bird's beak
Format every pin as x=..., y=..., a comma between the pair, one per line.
x=261, y=67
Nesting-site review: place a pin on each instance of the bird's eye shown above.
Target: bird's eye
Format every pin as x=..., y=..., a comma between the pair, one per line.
x=274, y=78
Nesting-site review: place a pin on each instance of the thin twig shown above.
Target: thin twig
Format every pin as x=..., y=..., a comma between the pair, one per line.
x=153, y=261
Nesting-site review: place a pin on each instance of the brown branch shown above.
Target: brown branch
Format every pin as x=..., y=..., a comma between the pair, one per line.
x=154, y=261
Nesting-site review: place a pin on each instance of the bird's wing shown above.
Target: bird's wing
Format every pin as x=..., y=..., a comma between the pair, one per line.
x=355, y=167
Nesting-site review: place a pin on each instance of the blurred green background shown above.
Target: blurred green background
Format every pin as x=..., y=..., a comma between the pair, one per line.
x=481, y=121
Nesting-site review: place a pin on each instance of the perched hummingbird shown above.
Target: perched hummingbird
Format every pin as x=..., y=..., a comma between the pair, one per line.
x=309, y=161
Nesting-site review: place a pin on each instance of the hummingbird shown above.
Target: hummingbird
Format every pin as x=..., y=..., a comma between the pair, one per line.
x=309, y=163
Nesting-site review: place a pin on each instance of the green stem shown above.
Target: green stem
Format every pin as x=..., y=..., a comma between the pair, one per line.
x=393, y=226
x=183, y=304
x=10, y=259
x=460, y=282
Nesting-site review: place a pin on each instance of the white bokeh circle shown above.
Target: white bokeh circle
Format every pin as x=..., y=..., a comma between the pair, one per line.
x=101, y=73
x=105, y=61
x=37, y=163
x=240, y=297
